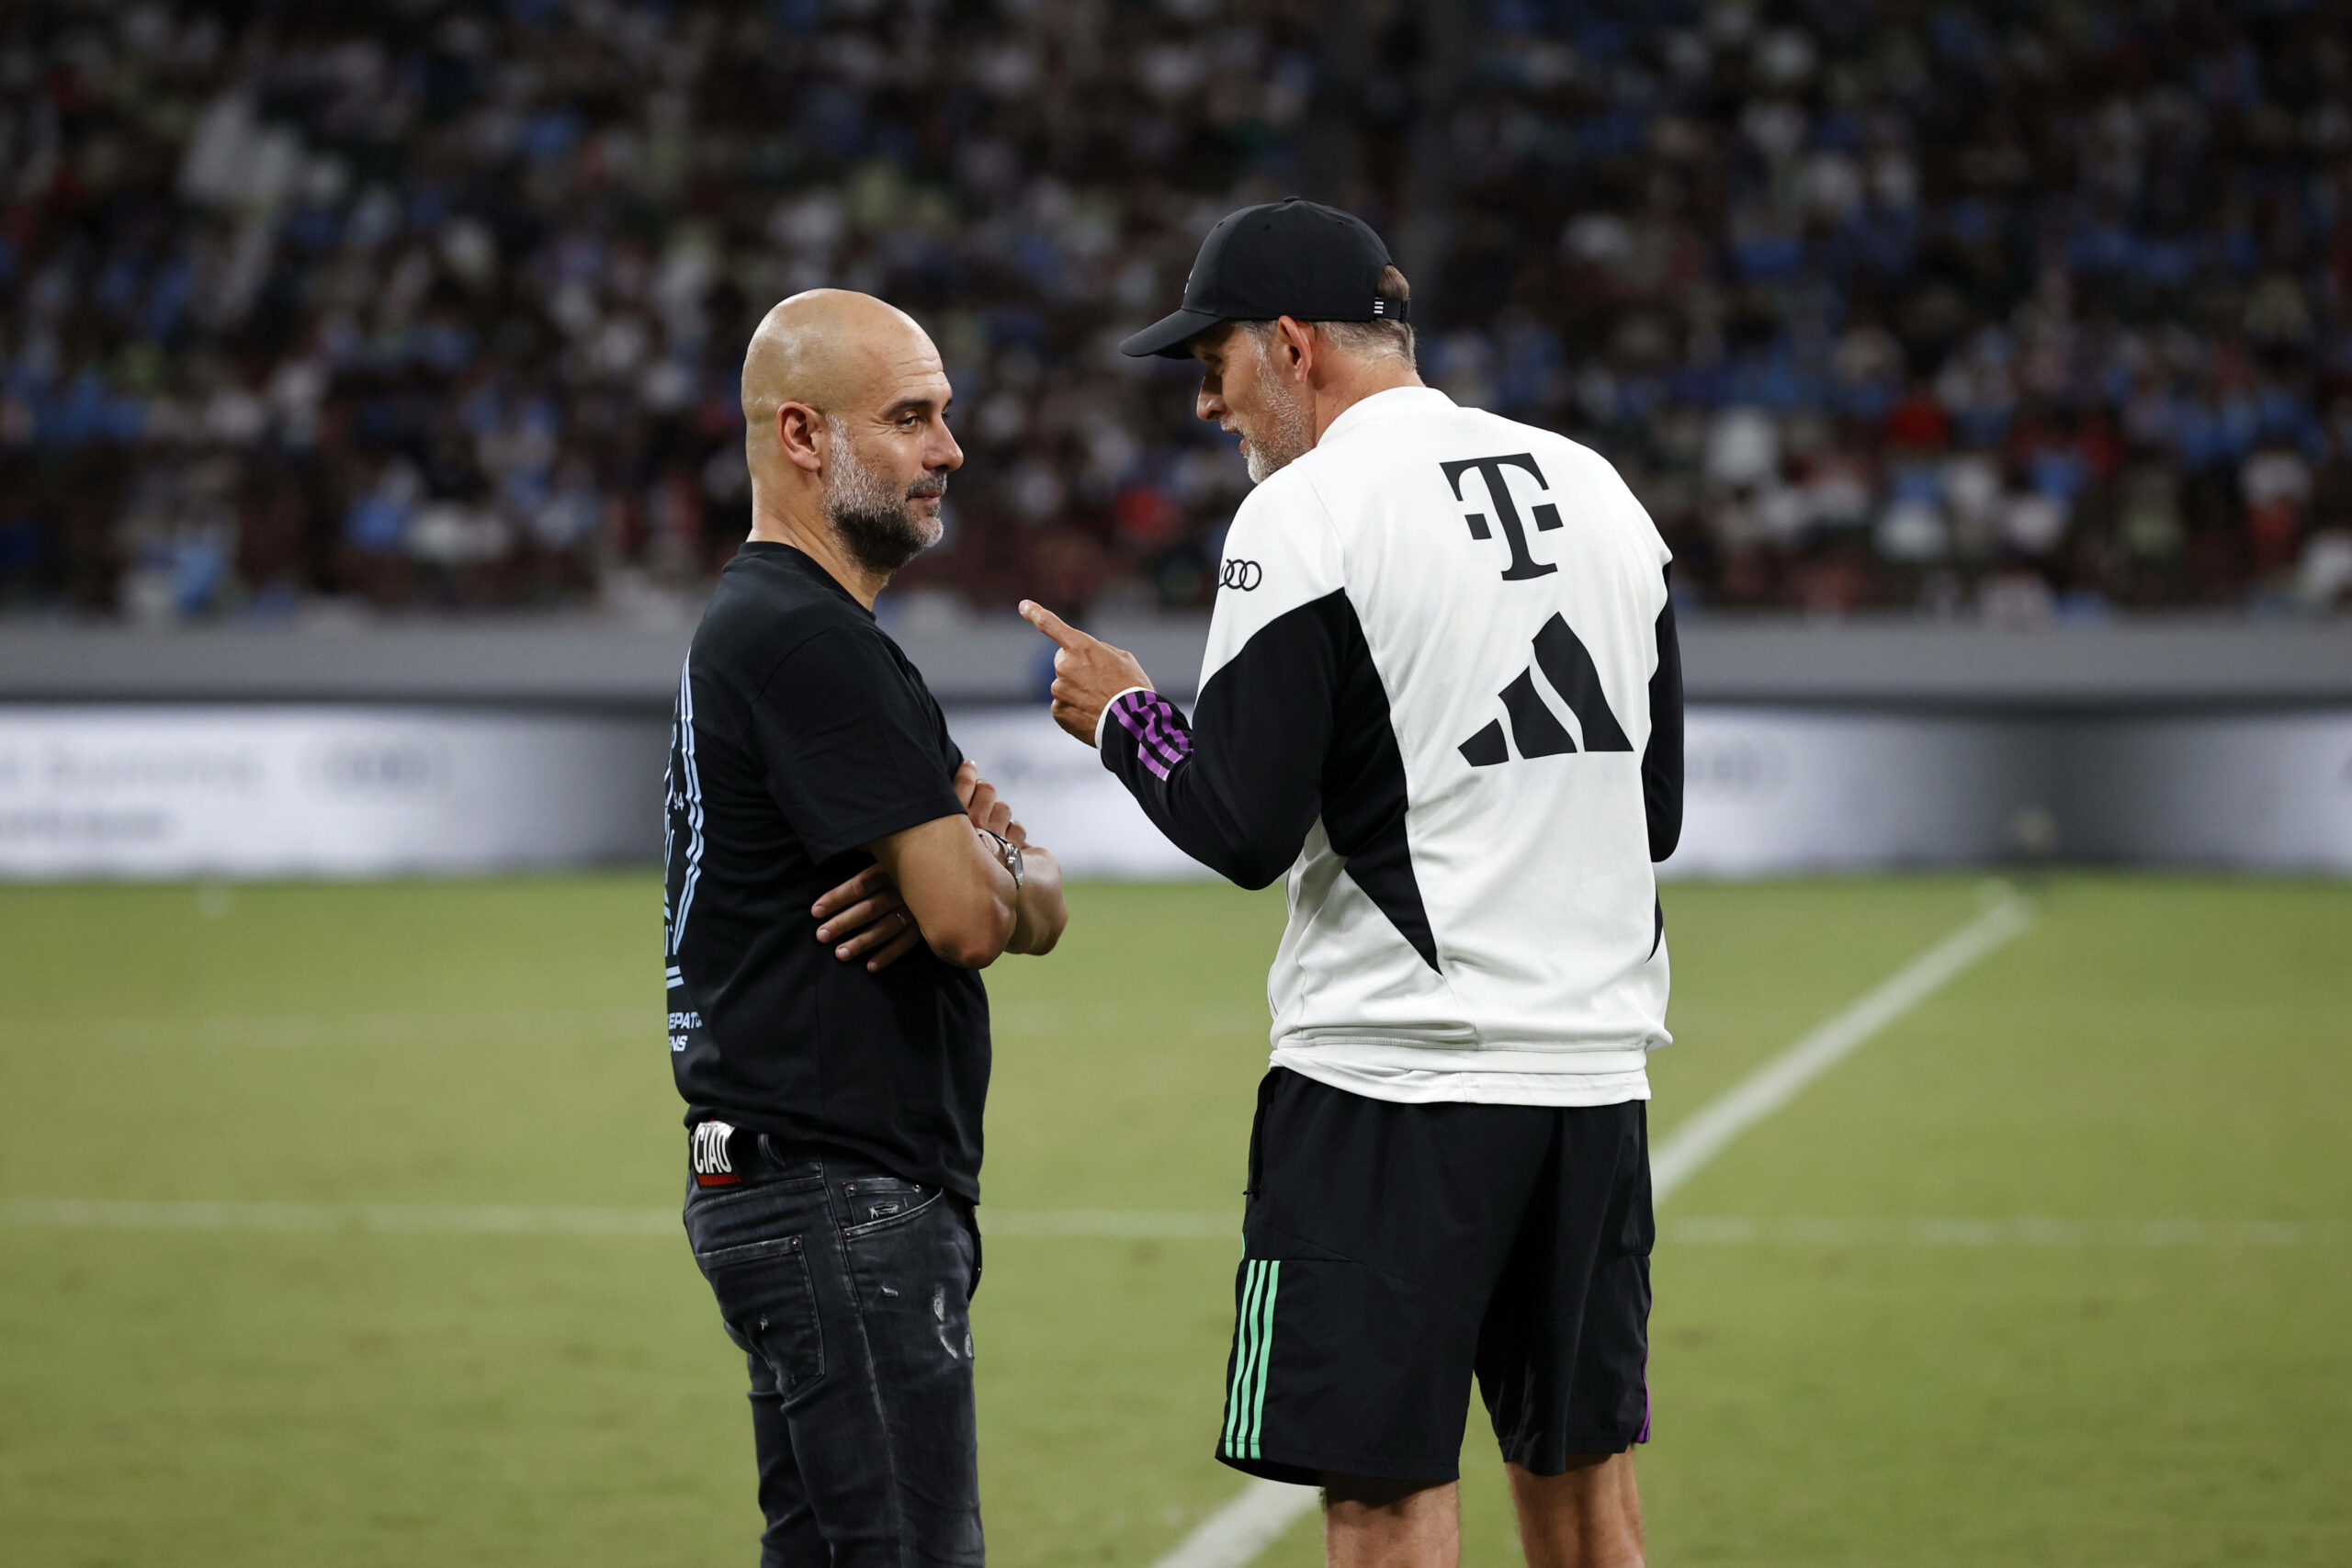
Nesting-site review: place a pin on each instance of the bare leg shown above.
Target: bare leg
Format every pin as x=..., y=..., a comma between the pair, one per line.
x=1588, y=1517
x=1369, y=1522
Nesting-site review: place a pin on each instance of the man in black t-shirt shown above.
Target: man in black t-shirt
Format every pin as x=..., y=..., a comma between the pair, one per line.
x=836, y=874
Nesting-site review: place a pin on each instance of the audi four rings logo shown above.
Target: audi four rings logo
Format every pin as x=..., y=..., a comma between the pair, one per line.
x=1242, y=574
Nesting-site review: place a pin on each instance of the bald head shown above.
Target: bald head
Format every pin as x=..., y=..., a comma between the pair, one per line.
x=827, y=348
x=845, y=427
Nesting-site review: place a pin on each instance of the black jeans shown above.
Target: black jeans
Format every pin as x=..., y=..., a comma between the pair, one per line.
x=849, y=1290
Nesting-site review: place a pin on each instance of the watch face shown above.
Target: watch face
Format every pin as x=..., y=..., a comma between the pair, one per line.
x=1008, y=853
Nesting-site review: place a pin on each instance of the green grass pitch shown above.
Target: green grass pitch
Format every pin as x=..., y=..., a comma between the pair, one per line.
x=2160, y=1373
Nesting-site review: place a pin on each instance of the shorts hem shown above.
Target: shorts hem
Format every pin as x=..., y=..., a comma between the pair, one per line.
x=1308, y=1470
x=1546, y=1463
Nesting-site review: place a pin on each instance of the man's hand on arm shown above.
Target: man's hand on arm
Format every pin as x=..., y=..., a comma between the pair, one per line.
x=943, y=883
x=1088, y=672
x=865, y=918
x=961, y=898
x=1040, y=913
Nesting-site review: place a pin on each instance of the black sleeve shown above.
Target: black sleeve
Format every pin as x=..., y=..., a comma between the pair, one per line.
x=1662, y=758
x=852, y=748
x=1239, y=785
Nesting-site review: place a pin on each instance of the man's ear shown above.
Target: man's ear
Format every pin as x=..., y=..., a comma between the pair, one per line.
x=1295, y=342
x=801, y=435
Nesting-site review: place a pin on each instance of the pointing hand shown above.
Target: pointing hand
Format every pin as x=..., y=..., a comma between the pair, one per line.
x=1088, y=672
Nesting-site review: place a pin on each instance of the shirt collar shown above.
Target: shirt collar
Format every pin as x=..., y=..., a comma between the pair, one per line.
x=797, y=558
x=1396, y=403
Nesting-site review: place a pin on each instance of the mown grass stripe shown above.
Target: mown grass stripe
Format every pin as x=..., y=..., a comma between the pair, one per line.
x=1117, y=1224
x=544, y=1219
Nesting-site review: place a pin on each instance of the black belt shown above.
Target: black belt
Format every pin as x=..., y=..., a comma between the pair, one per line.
x=720, y=1154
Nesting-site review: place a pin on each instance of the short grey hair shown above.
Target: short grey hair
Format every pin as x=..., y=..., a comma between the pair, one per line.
x=1382, y=339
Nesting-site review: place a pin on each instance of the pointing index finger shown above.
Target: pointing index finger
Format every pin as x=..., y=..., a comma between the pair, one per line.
x=1053, y=626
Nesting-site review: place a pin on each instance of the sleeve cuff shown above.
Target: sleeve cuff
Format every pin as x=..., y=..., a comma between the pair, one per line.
x=881, y=824
x=1104, y=719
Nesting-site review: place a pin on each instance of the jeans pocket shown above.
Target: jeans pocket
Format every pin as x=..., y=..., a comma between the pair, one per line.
x=881, y=1206
x=769, y=1304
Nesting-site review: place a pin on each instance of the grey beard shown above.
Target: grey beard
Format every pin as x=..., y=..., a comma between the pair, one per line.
x=871, y=517
x=1287, y=436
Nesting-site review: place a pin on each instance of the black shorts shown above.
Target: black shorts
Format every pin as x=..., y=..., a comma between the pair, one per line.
x=1392, y=1250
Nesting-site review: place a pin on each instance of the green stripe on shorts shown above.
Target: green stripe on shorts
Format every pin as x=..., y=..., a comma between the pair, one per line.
x=1253, y=1340
x=1266, y=1350
x=1241, y=1322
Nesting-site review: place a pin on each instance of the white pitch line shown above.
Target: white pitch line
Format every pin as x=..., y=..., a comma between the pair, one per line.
x=285, y=1032
x=532, y=1219
x=1702, y=1137
x=1237, y=1532
x=511, y=1025
x=442, y=1219
x=1111, y=1224
x=2021, y=1231
x=1120, y=1225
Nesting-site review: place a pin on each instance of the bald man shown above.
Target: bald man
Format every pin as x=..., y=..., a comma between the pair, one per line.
x=837, y=875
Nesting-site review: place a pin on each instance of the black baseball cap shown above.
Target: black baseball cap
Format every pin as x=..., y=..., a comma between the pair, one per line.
x=1290, y=258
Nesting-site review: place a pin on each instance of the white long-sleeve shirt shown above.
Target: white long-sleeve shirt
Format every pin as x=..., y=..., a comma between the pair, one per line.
x=1442, y=689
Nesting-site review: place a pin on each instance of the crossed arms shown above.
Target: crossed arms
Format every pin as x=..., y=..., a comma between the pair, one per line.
x=942, y=884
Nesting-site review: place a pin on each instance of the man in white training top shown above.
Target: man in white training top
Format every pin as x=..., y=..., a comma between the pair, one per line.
x=1442, y=693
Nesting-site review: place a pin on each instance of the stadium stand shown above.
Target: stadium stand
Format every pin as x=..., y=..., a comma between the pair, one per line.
x=2023, y=311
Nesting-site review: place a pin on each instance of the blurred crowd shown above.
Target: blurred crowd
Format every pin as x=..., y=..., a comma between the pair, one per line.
x=2023, y=310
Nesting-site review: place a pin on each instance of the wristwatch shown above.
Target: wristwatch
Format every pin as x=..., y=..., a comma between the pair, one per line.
x=1008, y=853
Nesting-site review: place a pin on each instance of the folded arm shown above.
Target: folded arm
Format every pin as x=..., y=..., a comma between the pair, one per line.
x=962, y=899
x=927, y=885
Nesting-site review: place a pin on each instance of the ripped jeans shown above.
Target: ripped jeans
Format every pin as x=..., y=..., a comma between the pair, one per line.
x=849, y=1290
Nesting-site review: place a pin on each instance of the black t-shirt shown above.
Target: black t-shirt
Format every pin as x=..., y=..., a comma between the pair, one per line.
x=802, y=734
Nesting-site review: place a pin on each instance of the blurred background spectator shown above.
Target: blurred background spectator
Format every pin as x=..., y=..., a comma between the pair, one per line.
x=2025, y=310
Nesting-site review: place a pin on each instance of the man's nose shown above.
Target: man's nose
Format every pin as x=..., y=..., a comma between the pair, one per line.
x=1209, y=406
x=942, y=452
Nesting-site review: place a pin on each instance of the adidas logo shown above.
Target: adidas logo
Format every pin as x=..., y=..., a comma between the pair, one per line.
x=1561, y=655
